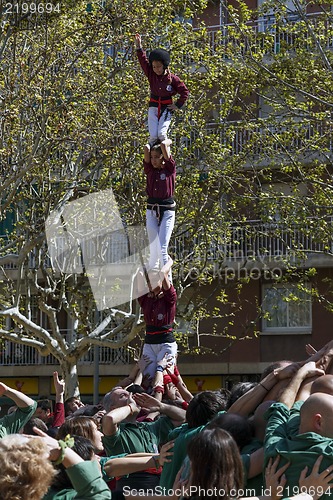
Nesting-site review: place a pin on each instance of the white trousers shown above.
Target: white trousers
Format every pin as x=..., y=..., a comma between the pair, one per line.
x=158, y=128
x=156, y=352
x=159, y=236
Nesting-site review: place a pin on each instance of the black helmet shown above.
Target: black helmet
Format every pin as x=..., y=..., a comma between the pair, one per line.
x=160, y=55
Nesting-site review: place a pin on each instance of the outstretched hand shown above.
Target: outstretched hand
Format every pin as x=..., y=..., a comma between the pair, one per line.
x=59, y=384
x=316, y=483
x=138, y=40
x=288, y=371
x=310, y=369
x=165, y=453
x=275, y=478
x=310, y=350
x=147, y=402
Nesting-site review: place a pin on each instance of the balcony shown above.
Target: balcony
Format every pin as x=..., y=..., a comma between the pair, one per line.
x=265, y=33
x=261, y=143
x=12, y=354
x=267, y=244
x=251, y=240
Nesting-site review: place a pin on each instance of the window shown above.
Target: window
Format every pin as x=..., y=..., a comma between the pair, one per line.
x=286, y=309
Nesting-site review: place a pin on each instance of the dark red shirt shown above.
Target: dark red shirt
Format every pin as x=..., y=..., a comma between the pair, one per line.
x=161, y=182
x=159, y=313
x=166, y=85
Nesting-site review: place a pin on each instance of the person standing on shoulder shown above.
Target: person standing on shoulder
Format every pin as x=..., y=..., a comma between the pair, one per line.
x=159, y=310
x=163, y=86
x=160, y=170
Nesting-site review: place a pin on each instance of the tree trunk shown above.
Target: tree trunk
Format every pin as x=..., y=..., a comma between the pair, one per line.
x=69, y=372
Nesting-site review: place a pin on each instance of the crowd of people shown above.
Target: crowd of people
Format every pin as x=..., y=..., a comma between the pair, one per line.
x=267, y=440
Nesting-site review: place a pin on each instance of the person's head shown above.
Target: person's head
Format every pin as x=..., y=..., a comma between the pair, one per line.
x=238, y=390
x=87, y=411
x=215, y=462
x=323, y=384
x=156, y=156
x=238, y=427
x=82, y=426
x=317, y=415
x=25, y=470
x=159, y=60
x=71, y=405
x=135, y=389
x=274, y=366
x=258, y=420
x=203, y=407
x=117, y=398
x=43, y=410
x=34, y=422
x=85, y=449
x=155, y=283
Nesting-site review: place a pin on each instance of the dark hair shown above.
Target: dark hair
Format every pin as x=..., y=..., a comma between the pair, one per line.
x=68, y=402
x=135, y=389
x=82, y=447
x=161, y=55
x=273, y=366
x=156, y=147
x=239, y=390
x=34, y=422
x=215, y=463
x=203, y=407
x=87, y=411
x=238, y=427
x=44, y=404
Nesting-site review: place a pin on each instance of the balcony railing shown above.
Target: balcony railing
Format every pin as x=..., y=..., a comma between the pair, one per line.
x=20, y=355
x=258, y=241
x=262, y=141
x=219, y=38
x=254, y=238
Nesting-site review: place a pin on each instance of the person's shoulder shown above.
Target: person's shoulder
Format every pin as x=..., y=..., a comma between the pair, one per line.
x=143, y=298
x=174, y=77
x=170, y=160
x=170, y=292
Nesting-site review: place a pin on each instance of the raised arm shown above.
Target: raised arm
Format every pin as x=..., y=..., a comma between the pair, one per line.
x=132, y=377
x=247, y=403
x=138, y=41
x=180, y=384
x=114, y=417
x=165, y=146
x=288, y=395
x=146, y=153
x=59, y=410
x=177, y=415
x=165, y=275
x=21, y=400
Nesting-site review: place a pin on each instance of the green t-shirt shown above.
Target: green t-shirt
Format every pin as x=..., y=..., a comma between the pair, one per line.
x=182, y=436
x=13, y=423
x=104, y=460
x=301, y=450
x=138, y=437
x=254, y=486
x=87, y=483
